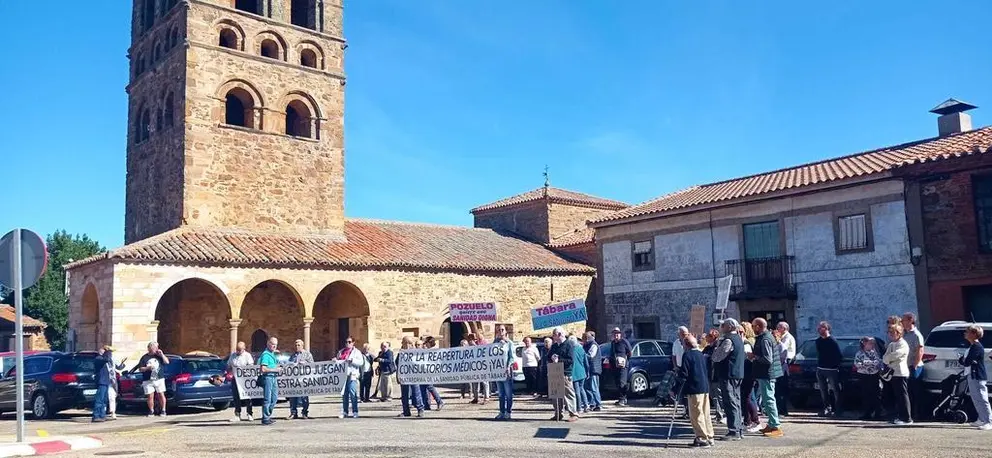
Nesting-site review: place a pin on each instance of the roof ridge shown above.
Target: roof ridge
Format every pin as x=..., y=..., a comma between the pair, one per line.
x=846, y=156
x=413, y=223
x=555, y=194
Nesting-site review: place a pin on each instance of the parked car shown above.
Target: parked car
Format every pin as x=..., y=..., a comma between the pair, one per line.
x=650, y=360
x=9, y=358
x=187, y=383
x=803, y=386
x=518, y=363
x=53, y=382
x=943, y=346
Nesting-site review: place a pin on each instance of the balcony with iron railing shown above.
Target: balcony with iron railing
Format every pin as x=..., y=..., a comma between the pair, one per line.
x=762, y=278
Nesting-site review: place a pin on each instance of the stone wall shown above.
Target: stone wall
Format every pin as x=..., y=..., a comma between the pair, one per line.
x=565, y=218
x=397, y=302
x=528, y=220
x=154, y=183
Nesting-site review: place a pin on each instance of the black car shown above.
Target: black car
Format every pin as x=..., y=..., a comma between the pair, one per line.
x=650, y=360
x=189, y=381
x=803, y=386
x=53, y=382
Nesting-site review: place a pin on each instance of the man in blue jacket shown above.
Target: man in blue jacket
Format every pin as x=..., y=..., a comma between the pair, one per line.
x=104, y=368
x=696, y=387
x=767, y=369
x=728, y=369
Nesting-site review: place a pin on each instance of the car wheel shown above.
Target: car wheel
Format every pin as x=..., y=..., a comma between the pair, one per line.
x=218, y=406
x=639, y=384
x=40, y=407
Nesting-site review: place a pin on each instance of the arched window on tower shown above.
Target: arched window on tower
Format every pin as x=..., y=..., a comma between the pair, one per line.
x=158, y=121
x=170, y=111
x=303, y=13
x=157, y=53
x=270, y=49
x=147, y=15
x=144, y=124
x=298, y=120
x=173, y=37
x=308, y=58
x=229, y=39
x=239, y=108
x=251, y=6
x=139, y=65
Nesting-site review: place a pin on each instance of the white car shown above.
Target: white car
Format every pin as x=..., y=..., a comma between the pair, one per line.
x=942, y=348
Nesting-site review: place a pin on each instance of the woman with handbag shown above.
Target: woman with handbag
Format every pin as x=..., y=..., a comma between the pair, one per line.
x=867, y=363
x=896, y=371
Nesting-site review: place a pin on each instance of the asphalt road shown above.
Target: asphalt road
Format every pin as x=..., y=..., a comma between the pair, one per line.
x=465, y=430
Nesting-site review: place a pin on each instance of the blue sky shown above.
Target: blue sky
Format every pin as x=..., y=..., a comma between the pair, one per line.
x=452, y=104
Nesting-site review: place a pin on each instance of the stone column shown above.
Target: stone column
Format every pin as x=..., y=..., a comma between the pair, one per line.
x=306, y=332
x=234, y=334
x=152, y=329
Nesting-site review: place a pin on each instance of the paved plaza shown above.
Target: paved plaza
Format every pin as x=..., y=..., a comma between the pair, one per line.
x=464, y=430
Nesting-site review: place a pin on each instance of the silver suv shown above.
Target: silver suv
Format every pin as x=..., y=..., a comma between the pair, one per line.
x=944, y=345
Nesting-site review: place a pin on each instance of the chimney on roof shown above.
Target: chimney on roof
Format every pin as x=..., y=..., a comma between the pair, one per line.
x=953, y=118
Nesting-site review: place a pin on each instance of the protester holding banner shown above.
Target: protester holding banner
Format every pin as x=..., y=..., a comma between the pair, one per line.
x=620, y=352
x=562, y=352
x=387, y=367
x=595, y=364
x=530, y=357
x=300, y=356
x=270, y=369
x=410, y=393
x=474, y=340
x=465, y=386
x=427, y=390
x=505, y=386
x=353, y=361
x=240, y=359
x=365, y=387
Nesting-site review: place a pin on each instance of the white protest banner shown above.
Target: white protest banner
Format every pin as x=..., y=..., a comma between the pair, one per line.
x=313, y=379
x=553, y=315
x=437, y=366
x=473, y=311
x=723, y=291
x=556, y=380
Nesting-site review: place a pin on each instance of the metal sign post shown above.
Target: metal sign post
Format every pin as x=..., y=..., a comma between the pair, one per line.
x=27, y=257
x=18, y=330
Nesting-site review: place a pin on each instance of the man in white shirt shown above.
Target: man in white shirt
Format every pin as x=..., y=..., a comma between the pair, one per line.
x=913, y=337
x=240, y=359
x=678, y=347
x=787, y=344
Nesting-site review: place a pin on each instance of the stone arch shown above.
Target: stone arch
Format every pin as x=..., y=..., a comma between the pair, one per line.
x=307, y=120
x=275, y=307
x=311, y=54
x=142, y=123
x=88, y=334
x=156, y=52
x=269, y=42
x=173, y=37
x=169, y=110
x=239, y=95
x=193, y=314
x=340, y=310
x=234, y=33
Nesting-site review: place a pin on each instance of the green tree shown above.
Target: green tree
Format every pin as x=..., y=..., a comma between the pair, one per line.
x=46, y=300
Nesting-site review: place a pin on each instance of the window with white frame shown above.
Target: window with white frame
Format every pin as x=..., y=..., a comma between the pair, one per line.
x=853, y=233
x=644, y=255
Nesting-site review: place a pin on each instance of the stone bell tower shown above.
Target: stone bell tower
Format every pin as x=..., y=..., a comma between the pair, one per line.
x=236, y=116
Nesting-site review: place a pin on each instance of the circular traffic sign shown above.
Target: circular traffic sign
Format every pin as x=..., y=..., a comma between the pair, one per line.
x=34, y=258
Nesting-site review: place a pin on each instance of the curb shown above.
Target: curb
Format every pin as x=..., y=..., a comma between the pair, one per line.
x=51, y=446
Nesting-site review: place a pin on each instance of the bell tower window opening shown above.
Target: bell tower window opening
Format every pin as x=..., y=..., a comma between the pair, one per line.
x=144, y=123
x=239, y=108
x=298, y=120
x=251, y=6
x=170, y=112
x=270, y=49
x=302, y=14
x=147, y=15
x=228, y=39
x=308, y=58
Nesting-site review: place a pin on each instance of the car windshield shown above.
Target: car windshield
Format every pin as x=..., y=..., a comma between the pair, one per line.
x=954, y=338
x=203, y=365
x=848, y=348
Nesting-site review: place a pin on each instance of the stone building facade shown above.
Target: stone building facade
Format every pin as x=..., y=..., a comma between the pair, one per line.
x=234, y=218
x=821, y=241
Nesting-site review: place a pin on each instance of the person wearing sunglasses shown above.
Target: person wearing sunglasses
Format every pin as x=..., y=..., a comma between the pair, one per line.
x=353, y=360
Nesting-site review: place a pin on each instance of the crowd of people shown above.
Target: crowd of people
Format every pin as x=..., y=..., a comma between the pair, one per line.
x=732, y=375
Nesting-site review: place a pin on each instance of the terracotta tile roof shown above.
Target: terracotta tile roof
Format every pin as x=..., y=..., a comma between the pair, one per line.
x=371, y=244
x=556, y=195
x=832, y=170
x=578, y=236
x=7, y=313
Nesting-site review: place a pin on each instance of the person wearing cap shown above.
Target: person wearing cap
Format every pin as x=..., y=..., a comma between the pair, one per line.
x=620, y=351
x=728, y=368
